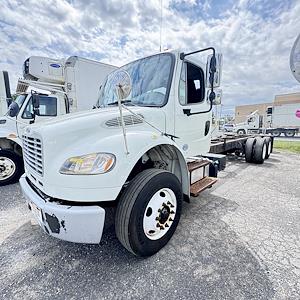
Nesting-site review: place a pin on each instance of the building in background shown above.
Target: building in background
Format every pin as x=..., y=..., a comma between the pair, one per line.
x=242, y=111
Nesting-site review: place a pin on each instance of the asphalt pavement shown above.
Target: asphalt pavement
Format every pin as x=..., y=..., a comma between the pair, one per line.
x=237, y=240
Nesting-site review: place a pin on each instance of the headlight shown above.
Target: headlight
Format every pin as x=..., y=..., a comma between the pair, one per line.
x=90, y=164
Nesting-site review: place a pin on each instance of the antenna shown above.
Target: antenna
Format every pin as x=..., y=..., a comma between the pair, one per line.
x=295, y=59
x=160, y=26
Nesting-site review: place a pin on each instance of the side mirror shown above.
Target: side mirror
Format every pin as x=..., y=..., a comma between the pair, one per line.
x=35, y=101
x=36, y=104
x=218, y=97
x=214, y=66
x=13, y=109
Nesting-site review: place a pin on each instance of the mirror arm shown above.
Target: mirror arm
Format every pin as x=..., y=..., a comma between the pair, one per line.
x=183, y=55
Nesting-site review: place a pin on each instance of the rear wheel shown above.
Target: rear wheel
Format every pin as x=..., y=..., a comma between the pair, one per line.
x=149, y=211
x=259, y=150
x=11, y=167
x=269, y=147
x=289, y=133
x=249, y=150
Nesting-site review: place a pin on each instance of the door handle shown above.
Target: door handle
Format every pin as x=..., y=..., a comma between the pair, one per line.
x=187, y=111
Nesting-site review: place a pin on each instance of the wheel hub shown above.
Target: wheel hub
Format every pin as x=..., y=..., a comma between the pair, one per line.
x=159, y=214
x=164, y=214
x=7, y=168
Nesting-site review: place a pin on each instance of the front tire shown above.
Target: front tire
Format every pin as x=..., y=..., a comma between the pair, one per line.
x=276, y=133
x=11, y=167
x=149, y=211
x=241, y=132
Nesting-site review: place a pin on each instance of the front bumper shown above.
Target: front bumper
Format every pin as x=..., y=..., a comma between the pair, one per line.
x=78, y=224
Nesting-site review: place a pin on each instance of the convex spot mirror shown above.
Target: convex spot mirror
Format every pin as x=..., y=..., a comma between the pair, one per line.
x=218, y=97
x=121, y=82
x=13, y=109
x=214, y=66
x=215, y=97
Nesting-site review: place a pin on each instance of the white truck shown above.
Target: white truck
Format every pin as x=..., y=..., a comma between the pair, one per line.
x=69, y=85
x=5, y=94
x=145, y=151
x=281, y=119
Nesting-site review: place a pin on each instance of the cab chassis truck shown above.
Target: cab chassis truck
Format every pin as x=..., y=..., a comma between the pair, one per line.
x=145, y=151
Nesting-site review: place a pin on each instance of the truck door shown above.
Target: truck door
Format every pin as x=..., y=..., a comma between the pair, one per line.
x=192, y=126
x=48, y=109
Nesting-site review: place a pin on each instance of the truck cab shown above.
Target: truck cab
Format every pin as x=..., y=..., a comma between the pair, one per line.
x=252, y=124
x=20, y=114
x=141, y=150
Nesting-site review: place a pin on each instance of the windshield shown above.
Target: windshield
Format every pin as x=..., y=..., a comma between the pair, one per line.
x=150, y=80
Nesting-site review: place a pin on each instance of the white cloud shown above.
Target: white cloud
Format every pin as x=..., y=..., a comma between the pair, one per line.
x=255, y=47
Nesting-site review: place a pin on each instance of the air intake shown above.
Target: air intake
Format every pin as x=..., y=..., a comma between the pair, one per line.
x=129, y=120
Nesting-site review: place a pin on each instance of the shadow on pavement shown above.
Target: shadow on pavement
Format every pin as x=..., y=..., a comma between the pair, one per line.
x=204, y=260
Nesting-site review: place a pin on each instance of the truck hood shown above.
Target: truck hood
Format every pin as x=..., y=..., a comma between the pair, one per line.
x=103, y=120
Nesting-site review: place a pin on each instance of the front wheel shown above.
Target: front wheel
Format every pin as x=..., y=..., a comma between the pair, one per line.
x=149, y=211
x=11, y=167
x=276, y=133
x=241, y=132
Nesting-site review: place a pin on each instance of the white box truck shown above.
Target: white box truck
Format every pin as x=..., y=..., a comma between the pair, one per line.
x=144, y=151
x=68, y=86
x=5, y=94
x=281, y=118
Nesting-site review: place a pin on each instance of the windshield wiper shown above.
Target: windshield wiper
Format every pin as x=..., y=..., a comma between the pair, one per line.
x=122, y=102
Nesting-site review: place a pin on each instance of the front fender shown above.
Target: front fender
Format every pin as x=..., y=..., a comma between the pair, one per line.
x=105, y=186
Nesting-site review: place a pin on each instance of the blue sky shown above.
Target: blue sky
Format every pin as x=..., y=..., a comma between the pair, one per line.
x=254, y=36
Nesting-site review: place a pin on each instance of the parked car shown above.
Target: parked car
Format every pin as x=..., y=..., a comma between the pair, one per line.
x=228, y=127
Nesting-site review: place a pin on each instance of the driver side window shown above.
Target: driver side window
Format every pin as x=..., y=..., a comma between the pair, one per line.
x=47, y=108
x=191, y=84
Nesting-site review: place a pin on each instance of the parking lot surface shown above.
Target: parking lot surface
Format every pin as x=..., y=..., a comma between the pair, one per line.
x=238, y=240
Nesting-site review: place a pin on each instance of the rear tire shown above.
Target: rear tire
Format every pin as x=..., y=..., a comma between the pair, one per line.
x=249, y=150
x=149, y=211
x=289, y=133
x=269, y=147
x=11, y=167
x=259, y=150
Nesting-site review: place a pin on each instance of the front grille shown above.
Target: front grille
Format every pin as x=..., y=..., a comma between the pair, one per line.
x=33, y=153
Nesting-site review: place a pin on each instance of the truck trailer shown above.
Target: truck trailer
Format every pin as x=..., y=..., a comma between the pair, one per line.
x=49, y=89
x=144, y=151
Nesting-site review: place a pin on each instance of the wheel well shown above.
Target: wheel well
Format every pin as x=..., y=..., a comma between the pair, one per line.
x=166, y=157
x=10, y=145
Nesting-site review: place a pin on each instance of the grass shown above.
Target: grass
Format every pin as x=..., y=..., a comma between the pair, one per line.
x=287, y=146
